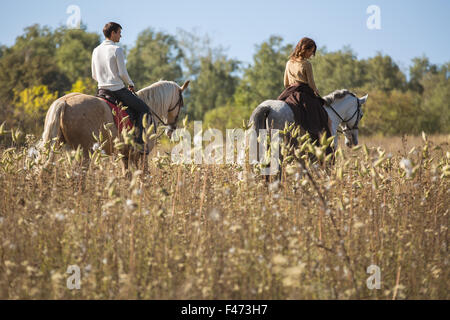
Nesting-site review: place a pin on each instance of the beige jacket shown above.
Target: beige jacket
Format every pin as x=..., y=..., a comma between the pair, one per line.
x=299, y=71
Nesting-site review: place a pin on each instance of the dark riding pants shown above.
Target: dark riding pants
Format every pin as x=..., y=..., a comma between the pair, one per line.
x=136, y=107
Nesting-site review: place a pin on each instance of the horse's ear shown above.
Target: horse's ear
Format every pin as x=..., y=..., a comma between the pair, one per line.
x=363, y=99
x=185, y=85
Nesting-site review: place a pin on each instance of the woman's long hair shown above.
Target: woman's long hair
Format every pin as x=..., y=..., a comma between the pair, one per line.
x=303, y=45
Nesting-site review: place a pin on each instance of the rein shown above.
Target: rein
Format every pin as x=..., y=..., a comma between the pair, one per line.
x=357, y=112
x=179, y=103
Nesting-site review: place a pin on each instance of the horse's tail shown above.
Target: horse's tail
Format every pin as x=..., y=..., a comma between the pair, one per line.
x=259, y=120
x=259, y=117
x=52, y=127
x=52, y=130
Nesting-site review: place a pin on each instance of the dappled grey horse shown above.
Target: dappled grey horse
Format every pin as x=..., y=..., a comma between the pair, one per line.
x=343, y=108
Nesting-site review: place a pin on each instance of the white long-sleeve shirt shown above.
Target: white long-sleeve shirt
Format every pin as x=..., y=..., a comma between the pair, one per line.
x=108, y=66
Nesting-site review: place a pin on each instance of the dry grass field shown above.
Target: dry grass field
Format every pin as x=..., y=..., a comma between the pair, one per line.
x=217, y=232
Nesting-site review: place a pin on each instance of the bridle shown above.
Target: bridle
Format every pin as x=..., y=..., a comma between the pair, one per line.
x=357, y=113
x=179, y=105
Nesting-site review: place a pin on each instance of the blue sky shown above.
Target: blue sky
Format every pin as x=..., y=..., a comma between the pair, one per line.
x=408, y=28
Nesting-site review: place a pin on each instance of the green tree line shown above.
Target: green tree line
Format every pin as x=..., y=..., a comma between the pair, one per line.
x=44, y=64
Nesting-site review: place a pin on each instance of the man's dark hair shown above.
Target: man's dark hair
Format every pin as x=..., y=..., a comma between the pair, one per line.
x=110, y=27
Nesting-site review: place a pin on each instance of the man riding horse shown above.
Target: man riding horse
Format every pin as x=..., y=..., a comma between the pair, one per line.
x=109, y=70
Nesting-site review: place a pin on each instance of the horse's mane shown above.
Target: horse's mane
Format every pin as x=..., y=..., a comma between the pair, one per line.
x=335, y=95
x=160, y=96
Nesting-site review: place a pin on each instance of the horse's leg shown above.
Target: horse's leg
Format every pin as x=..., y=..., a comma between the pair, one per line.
x=137, y=161
x=46, y=169
x=48, y=162
x=280, y=170
x=125, y=170
x=84, y=170
x=45, y=174
x=288, y=143
x=268, y=176
x=144, y=164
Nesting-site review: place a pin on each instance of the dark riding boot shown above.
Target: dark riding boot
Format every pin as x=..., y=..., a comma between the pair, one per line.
x=139, y=129
x=137, y=107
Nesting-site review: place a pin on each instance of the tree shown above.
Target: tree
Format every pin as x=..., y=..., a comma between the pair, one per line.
x=74, y=52
x=32, y=105
x=337, y=70
x=2, y=50
x=391, y=112
x=421, y=66
x=212, y=72
x=40, y=65
x=383, y=73
x=226, y=117
x=264, y=79
x=435, y=108
x=214, y=86
x=156, y=56
x=31, y=62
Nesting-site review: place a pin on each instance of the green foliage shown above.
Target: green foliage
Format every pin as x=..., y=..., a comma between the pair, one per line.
x=337, y=70
x=43, y=63
x=383, y=73
x=226, y=117
x=155, y=57
x=74, y=53
x=214, y=86
x=264, y=79
x=42, y=57
x=436, y=100
x=391, y=113
x=31, y=62
x=412, y=111
x=212, y=72
x=421, y=66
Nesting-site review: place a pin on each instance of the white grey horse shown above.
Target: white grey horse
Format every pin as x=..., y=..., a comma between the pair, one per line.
x=343, y=108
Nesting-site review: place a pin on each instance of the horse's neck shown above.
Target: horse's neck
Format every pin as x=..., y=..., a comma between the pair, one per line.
x=335, y=120
x=157, y=108
x=343, y=108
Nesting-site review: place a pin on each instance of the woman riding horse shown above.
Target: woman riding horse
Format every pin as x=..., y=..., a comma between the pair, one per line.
x=301, y=93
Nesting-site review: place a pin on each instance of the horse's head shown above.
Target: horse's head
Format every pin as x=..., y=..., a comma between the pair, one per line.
x=350, y=126
x=165, y=99
x=174, y=111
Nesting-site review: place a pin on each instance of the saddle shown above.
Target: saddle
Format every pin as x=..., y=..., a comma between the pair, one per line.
x=122, y=118
x=107, y=95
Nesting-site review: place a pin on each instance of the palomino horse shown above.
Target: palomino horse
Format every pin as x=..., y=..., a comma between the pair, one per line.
x=74, y=118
